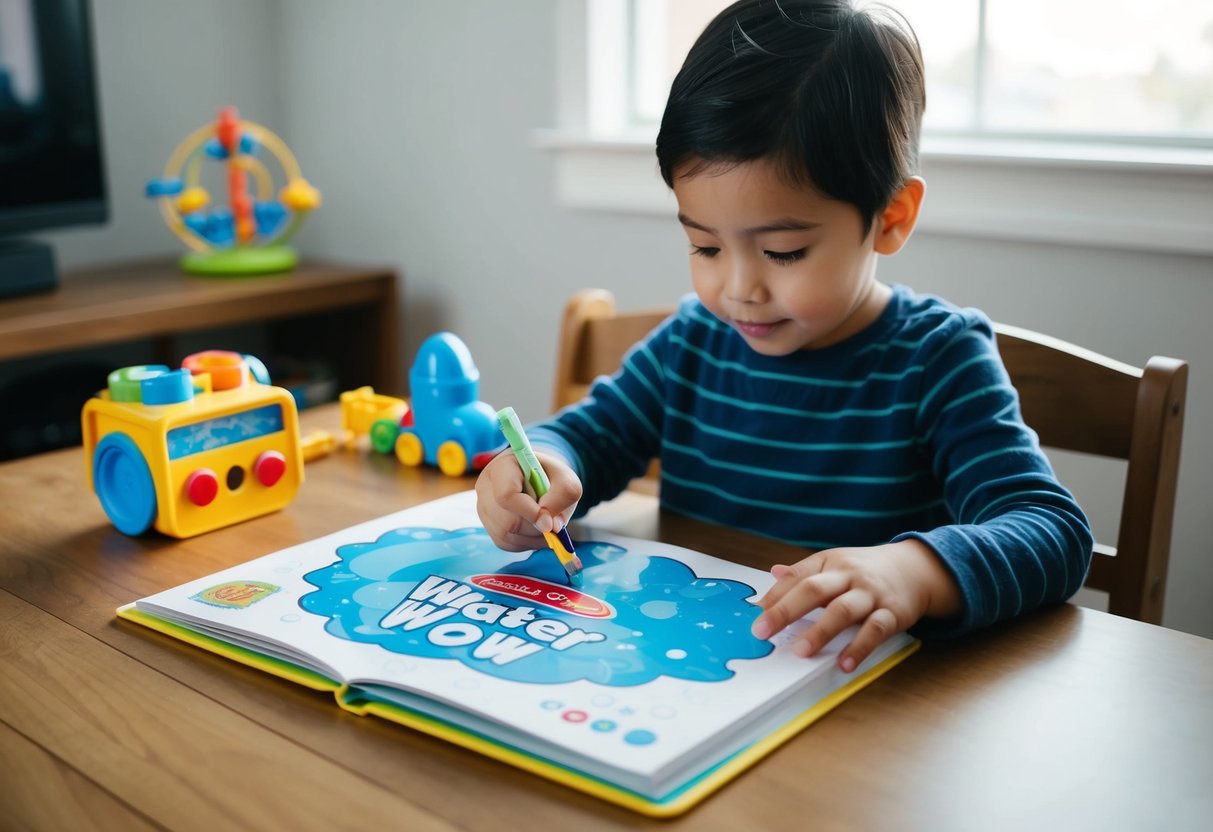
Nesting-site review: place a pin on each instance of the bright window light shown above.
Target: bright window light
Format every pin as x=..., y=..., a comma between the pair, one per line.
x=1084, y=70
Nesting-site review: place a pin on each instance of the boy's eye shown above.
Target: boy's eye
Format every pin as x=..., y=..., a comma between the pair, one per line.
x=704, y=251
x=785, y=257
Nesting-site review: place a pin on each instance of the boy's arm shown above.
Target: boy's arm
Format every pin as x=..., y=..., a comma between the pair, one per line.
x=1019, y=539
x=610, y=437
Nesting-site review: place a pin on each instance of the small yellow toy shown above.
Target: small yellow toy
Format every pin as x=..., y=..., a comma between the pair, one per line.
x=365, y=412
x=194, y=449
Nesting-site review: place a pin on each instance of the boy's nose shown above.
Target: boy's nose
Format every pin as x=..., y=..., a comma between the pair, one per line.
x=745, y=284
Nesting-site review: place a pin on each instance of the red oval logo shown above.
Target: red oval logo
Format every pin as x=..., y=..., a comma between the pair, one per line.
x=563, y=598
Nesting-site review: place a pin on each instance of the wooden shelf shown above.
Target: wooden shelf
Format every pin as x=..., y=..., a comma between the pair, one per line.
x=342, y=318
x=348, y=312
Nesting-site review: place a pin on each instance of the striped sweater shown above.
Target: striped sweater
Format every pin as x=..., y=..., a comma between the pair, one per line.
x=908, y=429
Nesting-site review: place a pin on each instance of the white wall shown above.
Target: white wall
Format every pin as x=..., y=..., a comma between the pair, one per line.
x=414, y=119
x=164, y=69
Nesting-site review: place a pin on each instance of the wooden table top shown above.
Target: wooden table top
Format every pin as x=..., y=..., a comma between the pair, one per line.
x=1066, y=719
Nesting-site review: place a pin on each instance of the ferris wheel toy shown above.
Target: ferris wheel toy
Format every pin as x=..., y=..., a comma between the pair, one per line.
x=247, y=233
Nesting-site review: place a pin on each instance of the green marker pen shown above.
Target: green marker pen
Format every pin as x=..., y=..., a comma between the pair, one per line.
x=538, y=484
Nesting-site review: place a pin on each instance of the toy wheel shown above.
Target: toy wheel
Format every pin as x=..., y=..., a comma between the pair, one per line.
x=408, y=449
x=383, y=435
x=124, y=484
x=452, y=459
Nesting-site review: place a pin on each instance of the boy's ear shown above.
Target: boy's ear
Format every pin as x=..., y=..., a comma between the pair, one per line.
x=896, y=222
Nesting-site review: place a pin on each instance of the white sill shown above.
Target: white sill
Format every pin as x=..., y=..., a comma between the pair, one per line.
x=1154, y=199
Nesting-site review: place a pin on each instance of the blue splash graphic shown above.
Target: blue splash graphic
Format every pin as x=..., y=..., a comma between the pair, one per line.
x=668, y=621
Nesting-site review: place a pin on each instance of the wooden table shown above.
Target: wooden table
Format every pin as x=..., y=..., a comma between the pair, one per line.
x=1068, y=719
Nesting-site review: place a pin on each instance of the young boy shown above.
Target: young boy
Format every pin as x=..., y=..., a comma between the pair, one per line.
x=794, y=395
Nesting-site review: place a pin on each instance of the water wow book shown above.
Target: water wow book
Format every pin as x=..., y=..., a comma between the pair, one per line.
x=642, y=686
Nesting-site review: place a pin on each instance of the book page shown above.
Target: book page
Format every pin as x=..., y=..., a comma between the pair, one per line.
x=639, y=666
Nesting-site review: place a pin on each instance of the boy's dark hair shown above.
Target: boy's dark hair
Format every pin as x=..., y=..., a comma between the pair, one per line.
x=832, y=95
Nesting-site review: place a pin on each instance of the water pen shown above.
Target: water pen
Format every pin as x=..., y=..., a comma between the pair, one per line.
x=537, y=483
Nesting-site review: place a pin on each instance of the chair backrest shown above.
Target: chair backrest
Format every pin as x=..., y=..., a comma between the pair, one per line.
x=1075, y=400
x=1078, y=400
x=593, y=339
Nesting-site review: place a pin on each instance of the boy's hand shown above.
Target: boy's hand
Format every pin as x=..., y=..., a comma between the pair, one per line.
x=884, y=589
x=513, y=519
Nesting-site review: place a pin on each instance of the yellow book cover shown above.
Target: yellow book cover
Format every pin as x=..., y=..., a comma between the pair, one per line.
x=642, y=685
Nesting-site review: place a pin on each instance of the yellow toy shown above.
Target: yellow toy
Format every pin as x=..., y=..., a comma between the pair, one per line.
x=193, y=449
x=363, y=411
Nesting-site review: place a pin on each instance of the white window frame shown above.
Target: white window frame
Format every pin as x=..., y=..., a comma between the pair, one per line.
x=1144, y=197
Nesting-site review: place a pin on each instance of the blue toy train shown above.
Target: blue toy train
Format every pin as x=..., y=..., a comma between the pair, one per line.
x=447, y=425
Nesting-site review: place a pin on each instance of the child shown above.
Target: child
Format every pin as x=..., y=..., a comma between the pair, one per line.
x=794, y=395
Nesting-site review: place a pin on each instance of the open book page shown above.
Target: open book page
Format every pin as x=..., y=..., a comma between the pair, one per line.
x=647, y=668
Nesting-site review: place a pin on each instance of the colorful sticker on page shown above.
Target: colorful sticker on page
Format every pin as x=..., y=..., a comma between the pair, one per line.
x=454, y=594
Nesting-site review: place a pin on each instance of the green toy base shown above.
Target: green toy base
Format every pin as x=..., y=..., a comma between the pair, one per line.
x=234, y=262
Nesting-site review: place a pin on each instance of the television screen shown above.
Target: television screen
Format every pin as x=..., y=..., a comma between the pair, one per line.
x=51, y=168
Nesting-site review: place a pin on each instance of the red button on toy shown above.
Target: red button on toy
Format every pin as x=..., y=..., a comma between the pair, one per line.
x=202, y=486
x=269, y=468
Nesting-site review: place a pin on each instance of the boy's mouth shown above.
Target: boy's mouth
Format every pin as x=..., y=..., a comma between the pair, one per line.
x=754, y=329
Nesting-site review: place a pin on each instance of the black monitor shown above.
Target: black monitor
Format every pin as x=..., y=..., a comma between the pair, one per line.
x=51, y=166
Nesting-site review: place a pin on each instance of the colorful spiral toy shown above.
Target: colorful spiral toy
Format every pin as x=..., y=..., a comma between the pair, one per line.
x=248, y=234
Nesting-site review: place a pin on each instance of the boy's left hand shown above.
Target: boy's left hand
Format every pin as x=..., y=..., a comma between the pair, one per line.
x=884, y=589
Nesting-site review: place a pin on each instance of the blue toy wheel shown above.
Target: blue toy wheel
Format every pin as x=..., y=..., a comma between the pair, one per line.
x=123, y=482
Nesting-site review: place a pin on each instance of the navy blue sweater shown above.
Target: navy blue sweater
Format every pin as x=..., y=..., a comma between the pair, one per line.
x=907, y=429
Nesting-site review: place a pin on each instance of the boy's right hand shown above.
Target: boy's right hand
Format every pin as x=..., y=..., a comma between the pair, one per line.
x=513, y=518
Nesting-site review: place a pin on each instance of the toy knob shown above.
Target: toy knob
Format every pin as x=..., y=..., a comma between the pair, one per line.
x=202, y=486
x=269, y=468
x=126, y=384
x=173, y=387
x=227, y=369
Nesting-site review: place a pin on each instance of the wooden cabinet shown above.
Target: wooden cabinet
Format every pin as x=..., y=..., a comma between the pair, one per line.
x=344, y=316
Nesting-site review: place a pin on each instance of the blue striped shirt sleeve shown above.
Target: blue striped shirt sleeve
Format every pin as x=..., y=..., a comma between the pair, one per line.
x=611, y=436
x=1018, y=540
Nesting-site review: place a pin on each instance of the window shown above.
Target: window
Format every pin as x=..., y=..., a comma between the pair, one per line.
x=1091, y=119
x=1065, y=69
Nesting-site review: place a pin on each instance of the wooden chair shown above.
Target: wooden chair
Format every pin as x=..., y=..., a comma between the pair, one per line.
x=593, y=339
x=1078, y=400
x=1075, y=400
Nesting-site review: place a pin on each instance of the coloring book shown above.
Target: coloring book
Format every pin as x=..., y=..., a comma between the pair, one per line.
x=641, y=685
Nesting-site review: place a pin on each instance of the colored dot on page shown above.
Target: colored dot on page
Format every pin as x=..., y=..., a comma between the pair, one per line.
x=640, y=737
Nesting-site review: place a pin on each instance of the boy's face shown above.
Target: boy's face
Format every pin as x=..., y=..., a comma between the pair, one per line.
x=786, y=267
